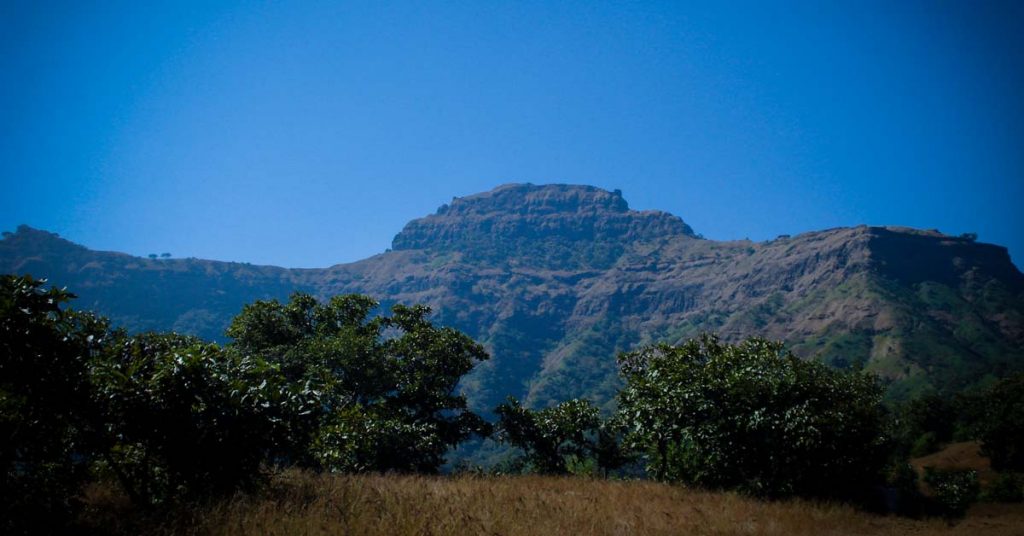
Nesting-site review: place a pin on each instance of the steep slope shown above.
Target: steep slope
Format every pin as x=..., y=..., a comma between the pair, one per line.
x=556, y=279
x=850, y=297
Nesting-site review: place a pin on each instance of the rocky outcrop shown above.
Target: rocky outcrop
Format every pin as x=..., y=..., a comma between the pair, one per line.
x=555, y=226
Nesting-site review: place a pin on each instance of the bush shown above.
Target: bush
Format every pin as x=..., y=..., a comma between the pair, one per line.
x=186, y=419
x=1006, y=487
x=385, y=387
x=554, y=439
x=924, y=424
x=45, y=417
x=955, y=489
x=172, y=418
x=753, y=417
x=924, y=445
x=1002, y=426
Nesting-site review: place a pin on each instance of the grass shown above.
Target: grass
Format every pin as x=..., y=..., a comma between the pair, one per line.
x=962, y=455
x=300, y=503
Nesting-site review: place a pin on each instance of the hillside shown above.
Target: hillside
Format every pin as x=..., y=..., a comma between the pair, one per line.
x=556, y=279
x=960, y=455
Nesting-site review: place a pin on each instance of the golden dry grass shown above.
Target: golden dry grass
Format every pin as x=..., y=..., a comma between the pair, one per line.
x=306, y=504
x=963, y=455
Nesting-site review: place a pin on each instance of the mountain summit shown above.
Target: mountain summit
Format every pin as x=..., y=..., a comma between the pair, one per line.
x=577, y=226
x=556, y=279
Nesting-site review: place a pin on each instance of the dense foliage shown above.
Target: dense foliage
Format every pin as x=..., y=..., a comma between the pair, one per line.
x=45, y=351
x=1006, y=487
x=552, y=437
x=1002, y=423
x=385, y=387
x=185, y=419
x=172, y=418
x=752, y=417
x=926, y=423
x=955, y=490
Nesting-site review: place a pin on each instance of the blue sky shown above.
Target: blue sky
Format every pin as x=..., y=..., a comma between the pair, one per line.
x=307, y=133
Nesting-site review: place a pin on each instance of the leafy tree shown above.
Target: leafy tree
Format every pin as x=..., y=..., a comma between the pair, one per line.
x=186, y=419
x=1002, y=423
x=358, y=439
x=926, y=423
x=609, y=449
x=171, y=417
x=550, y=437
x=167, y=416
x=386, y=386
x=44, y=353
x=752, y=417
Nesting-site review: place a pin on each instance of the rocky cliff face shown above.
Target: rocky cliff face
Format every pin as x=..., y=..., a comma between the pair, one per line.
x=557, y=226
x=556, y=279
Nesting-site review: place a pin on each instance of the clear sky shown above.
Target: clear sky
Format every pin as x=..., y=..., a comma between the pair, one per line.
x=307, y=133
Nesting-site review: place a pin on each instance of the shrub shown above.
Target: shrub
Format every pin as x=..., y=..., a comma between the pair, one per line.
x=1006, y=487
x=173, y=418
x=955, y=489
x=186, y=419
x=44, y=404
x=925, y=424
x=554, y=439
x=924, y=445
x=1002, y=426
x=753, y=417
x=385, y=387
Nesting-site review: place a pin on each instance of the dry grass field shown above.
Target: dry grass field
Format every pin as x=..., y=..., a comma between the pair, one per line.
x=307, y=504
x=963, y=455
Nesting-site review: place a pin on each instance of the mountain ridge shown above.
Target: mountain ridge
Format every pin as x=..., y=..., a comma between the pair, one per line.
x=555, y=279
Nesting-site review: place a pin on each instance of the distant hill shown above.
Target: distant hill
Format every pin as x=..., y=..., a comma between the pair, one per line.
x=556, y=279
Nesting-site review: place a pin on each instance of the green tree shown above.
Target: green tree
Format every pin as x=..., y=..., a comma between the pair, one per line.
x=609, y=449
x=45, y=349
x=167, y=416
x=171, y=417
x=184, y=419
x=1002, y=423
x=387, y=386
x=926, y=423
x=752, y=417
x=551, y=437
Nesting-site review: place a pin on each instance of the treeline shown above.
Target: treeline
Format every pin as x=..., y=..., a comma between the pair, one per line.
x=337, y=386
x=994, y=415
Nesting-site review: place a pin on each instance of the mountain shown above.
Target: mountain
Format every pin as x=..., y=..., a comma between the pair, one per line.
x=556, y=279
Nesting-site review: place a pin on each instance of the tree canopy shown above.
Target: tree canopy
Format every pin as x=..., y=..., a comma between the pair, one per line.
x=550, y=437
x=1002, y=423
x=170, y=417
x=752, y=417
x=45, y=351
x=386, y=386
